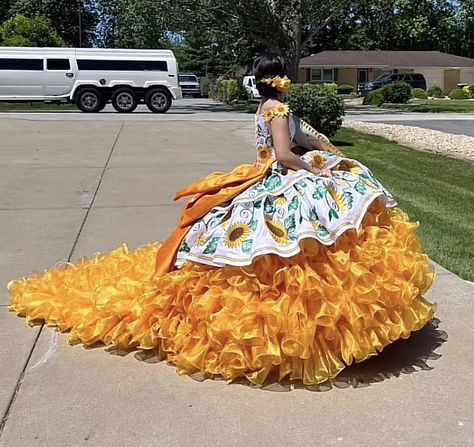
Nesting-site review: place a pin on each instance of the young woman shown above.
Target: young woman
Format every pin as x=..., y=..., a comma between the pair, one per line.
x=291, y=268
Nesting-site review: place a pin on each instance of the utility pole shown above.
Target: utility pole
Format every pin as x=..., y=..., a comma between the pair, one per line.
x=79, y=13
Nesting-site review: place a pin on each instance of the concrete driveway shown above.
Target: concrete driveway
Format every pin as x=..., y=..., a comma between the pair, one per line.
x=71, y=187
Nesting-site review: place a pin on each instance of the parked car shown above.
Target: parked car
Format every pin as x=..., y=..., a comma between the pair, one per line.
x=190, y=85
x=250, y=85
x=415, y=80
x=90, y=77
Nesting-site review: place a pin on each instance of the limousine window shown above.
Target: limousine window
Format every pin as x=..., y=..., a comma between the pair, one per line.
x=121, y=65
x=58, y=64
x=21, y=64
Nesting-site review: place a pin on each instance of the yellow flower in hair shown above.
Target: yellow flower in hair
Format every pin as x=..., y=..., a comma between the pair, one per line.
x=281, y=110
x=282, y=84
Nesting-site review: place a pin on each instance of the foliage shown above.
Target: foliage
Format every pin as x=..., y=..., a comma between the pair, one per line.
x=63, y=15
x=400, y=93
x=458, y=93
x=228, y=91
x=321, y=108
x=205, y=86
x=435, y=91
x=435, y=106
x=374, y=98
x=345, y=89
x=332, y=87
x=387, y=93
x=469, y=89
x=419, y=93
x=21, y=31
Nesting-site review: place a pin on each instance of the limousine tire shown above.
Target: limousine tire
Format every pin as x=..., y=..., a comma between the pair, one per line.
x=89, y=100
x=158, y=100
x=124, y=100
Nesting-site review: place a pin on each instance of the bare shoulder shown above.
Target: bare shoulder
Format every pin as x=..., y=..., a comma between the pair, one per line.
x=274, y=108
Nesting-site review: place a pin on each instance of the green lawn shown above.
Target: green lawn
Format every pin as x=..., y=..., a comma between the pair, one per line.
x=435, y=190
x=35, y=107
x=435, y=105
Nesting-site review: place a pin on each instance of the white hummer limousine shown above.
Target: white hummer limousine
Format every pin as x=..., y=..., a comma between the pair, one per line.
x=90, y=77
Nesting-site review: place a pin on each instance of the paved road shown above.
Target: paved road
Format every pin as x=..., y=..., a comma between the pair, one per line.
x=188, y=109
x=457, y=123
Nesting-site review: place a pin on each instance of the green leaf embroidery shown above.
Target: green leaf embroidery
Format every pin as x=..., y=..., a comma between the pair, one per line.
x=290, y=222
x=294, y=203
x=273, y=182
x=212, y=246
x=349, y=199
x=319, y=193
x=313, y=216
x=333, y=214
x=184, y=248
x=253, y=225
x=323, y=231
x=269, y=206
x=360, y=188
x=257, y=204
x=247, y=246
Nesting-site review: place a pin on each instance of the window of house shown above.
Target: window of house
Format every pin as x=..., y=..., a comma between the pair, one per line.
x=322, y=75
x=58, y=64
x=21, y=64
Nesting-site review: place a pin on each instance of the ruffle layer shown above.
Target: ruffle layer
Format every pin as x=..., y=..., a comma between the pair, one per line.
x=303, y=318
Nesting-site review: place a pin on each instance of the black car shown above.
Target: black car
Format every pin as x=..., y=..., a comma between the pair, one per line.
x=415, y=80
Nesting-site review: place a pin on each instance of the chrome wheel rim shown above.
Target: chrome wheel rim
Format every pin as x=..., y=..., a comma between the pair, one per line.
x=125, y=101
x=158, y=100
x=89, y=101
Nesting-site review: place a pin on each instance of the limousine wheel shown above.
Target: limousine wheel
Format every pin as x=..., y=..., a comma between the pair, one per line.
x=158, y=100
x=90, y=100
x=124, y=100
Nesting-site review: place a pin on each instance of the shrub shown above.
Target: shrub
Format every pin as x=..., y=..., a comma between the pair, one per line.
x=345, y=89
x=319, y=106
x=401, y=93
x=470, y=90
x=387, y=93
x=435, y=91
x=458, y=93
x=374, y=98
x=228, y=91
x=419, y=93
x=332, y=87
x=206, y=87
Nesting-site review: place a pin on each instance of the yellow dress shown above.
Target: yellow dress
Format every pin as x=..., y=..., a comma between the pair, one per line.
x=343, y=276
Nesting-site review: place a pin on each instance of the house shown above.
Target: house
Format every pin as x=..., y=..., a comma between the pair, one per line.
x=356, y=67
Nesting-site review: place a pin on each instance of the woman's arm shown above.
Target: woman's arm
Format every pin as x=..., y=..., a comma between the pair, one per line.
x=280, y=130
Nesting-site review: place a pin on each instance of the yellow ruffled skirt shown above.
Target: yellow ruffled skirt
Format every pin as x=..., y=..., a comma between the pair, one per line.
x=301, y=318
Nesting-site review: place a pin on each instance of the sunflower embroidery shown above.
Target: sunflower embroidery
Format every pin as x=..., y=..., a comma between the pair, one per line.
x=268, y=115
x=281, y=110
x=317, y=161
x=264, y=153
x=237, y=234
x=278, y=231
x=338, y=198
x=280, y=201
x=201, y=240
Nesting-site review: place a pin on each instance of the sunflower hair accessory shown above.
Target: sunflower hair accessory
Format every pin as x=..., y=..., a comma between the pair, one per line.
x=282, y=84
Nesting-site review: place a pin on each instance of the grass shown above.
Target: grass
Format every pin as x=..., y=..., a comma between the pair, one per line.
x=435, y=190
x=35, y=107
x=435, y=106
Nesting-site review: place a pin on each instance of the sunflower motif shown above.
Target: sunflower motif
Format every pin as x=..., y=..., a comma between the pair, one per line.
x=201, y=240
x=317, y=161
x=278, y=231
x=281, y=110
x=356, y=170
x=264, y=152
x=338, y=198
x=280, y=201
x=268, y=115
x=237, y=234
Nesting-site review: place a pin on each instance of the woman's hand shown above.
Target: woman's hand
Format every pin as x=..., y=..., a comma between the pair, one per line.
x=325, y=172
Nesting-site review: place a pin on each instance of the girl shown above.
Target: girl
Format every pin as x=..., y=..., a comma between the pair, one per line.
x=293, y=267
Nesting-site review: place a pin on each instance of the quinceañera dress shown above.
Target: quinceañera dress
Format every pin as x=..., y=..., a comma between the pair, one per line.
x=269, y=272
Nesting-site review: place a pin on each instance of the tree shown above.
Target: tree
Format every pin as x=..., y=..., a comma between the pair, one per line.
x=284, y=26
x=64, y=15
x=4, y=10
x=21, y=31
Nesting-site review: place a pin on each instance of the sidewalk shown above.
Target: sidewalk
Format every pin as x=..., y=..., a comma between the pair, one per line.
x=73, y=188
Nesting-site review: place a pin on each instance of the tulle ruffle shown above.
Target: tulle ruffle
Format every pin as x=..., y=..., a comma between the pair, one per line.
x=303, y=318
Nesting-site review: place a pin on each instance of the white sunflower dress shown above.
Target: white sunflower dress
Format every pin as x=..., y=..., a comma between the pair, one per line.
x=277, y=213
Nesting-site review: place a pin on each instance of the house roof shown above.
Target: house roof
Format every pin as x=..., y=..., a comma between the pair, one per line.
x=389, y=59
